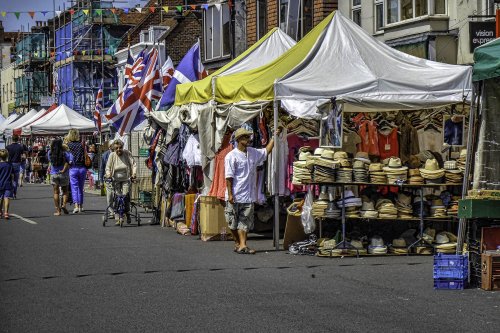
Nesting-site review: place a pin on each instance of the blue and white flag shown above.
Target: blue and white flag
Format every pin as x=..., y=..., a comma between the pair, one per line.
x=189, y=69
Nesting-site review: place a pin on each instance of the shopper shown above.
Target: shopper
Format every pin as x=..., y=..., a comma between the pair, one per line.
x=16, y=150
x=77, y=170
x=7, y=178
x=122, y=169
x=59, y=171
x=102, y=172
x=240, y=167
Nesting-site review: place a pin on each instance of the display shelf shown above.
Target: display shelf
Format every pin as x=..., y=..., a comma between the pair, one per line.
x=383, y=184
x=444, y=218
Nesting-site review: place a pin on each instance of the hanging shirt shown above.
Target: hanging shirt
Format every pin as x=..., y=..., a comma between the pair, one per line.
x=218, y=188
x=369, y=138
x=430, y=139
x=388, y=144
x=295, y=142
x=408, y=141
x=192, y=152
x=350, y=141
x=242, y=168
x=282, y=146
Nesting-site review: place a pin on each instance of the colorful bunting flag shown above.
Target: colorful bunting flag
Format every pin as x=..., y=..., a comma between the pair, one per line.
x=179, y=8
x=205, y=6
x=113, y=10
x=58, y=12
x=98, y=12
x=125, y=10
x=17, y=14
x=218, y=6
x=139, y=9
x=32, y=14
x=4, y=13
x=44, y=12
x=152, y=9
x=193, y=7
x=165, y=8
x=83, y=52
x=71, y=12
x=85, y=11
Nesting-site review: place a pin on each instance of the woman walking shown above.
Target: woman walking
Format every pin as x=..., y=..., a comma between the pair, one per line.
x=59, y=166
x=7, y=173
x=77, y=170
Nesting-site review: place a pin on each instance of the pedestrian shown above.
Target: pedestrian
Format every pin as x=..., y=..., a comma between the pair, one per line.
x=121, y=168
x=59, y=170
x=7, y=178
x=77, y=170
x=107, y=185
x=16, y=151
x=240, y=167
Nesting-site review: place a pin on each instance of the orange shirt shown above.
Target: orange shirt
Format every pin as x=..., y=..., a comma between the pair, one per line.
x=218, y=188
x=369, y=138
x=388, y=145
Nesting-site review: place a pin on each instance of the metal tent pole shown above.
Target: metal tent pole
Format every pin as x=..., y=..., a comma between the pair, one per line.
x=276, y=172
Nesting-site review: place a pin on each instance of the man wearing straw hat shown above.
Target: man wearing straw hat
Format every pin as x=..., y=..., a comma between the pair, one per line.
x=240, y=167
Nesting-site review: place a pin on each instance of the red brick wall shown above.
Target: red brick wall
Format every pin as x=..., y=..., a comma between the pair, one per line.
x=180, y=40
x=251, y=22
x=322, y=8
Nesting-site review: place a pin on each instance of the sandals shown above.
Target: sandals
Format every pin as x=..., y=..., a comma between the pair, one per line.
x=6, y=216
x=246, y=250
x=57, y=214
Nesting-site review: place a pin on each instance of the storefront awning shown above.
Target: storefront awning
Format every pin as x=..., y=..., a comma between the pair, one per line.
x=487, y=61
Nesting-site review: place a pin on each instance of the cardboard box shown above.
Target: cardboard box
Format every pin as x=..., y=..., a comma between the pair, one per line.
x=212, y=220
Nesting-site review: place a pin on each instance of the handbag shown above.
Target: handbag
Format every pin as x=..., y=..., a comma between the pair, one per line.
x=36, y=165
x=86, y=158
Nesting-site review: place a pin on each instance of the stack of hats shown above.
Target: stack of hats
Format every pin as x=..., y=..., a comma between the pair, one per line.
x=377, y=175
x=429, y=234
x=377, y=246
x=332, y=211
x=324, y=166
x=395, y=172
x=453, y=206
x=319, y=207
x=446, y=242
x=417, y=203
x=415, y=177
x=360, y=172
x=351, y=203
x=358, y=247
x=386, y=209
x=403, y=204
x=461, y=159
x=368, y=210
x=431, y=172
x=438, y=209
x=398, y=246
x=344, y=173
x=452, y=174
x=301, y=174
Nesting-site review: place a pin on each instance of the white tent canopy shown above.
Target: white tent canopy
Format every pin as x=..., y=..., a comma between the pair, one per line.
x=10, y=119
x=2, y=118
x=19, y=122
x=60, y=121
x=349, y=64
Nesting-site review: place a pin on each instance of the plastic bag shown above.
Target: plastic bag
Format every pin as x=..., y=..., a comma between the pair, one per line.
x=307, y=216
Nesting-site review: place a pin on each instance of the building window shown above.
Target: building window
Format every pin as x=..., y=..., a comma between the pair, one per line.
x=439, y=6
x=356, y=11
x=379, y=15
x=401, y=10
x=296, y=17
x=217, y=32
x=392, y=11
x=261, y=18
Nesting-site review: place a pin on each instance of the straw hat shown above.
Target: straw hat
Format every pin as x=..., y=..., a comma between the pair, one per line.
x=404, y=199
x=414, y=172
x=450, y=165
x=340, y=155
x=463, y=153
x=304, y=155
x=362, y=156
x=375, y=167
x=357, y=244
x=442, y=238
x=319, y=151
x=241, y=132
x=399, y=242
x=414, y=162
x=394, y=164
x=327, y=154
x=368, y=206
x=431, y=169
x=377, y=241
x=358, y=164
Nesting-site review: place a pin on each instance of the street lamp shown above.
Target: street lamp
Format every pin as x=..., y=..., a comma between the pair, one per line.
x=28, y=72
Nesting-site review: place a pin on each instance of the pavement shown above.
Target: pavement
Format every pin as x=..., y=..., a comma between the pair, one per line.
x=71, y=274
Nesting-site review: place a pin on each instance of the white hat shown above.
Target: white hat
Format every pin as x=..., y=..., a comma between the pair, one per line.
x=377, y=241
x=442, y=238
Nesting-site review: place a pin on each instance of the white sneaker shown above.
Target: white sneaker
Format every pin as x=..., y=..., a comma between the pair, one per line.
x=80, y=209
x=76, y=210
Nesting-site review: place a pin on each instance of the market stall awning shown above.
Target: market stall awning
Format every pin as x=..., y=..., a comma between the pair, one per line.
x=257, y=84
x=487, y=61
x=349, y=64
x=268, y=48
x=19, y=122
x=60, y=121
x=10, y=119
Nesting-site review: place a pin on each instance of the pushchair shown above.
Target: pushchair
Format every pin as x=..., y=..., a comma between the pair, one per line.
x=123, y=208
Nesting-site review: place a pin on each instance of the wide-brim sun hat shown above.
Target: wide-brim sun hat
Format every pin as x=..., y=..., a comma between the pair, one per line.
x=431, y=168
x=362, y=156
x=340, y=155
x=242, y=132
x=394, y=164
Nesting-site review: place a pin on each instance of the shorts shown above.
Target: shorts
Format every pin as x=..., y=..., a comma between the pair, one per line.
x=59, y=179
x=6, y=194
x=239, y=216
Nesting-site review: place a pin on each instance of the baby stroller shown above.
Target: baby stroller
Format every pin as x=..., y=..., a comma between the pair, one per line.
x=123, y=208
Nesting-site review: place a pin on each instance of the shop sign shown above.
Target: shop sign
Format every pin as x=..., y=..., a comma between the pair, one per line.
x=481, y=33
x=143, y=152
x=46, y=100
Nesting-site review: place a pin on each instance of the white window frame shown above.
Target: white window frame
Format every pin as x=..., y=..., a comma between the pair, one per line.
x=430, y=10
x=376, y=4
x=356, y=8
x=490, y=7
x=209, y=44
x=283, y=23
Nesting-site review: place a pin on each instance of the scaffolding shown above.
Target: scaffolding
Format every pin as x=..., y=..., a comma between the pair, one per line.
x=85, y=41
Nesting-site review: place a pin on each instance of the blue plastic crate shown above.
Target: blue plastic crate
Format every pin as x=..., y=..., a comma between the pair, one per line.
x=450, y=260
x=450, y=273
x=450, y=284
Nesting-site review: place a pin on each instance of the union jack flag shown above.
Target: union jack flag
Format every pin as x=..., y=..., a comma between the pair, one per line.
x=128, y=66
x=98, y=109
x=167, y=71
x=189, y=69
x=143, y=86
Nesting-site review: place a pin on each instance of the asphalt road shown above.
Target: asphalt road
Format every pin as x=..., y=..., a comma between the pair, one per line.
x=69, y=274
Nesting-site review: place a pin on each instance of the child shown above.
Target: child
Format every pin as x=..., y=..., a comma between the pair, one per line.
x=6, y=180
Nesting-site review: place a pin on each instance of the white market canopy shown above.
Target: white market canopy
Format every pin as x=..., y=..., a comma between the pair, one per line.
x=349, y=64
x=30, y=116
x=10, y=119
x=2, y=118
x=59, y=121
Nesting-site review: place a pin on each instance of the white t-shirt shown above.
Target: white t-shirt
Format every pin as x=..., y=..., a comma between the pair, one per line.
x=242, y=167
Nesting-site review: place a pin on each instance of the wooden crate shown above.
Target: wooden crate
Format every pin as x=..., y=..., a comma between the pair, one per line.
x=490, y=277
